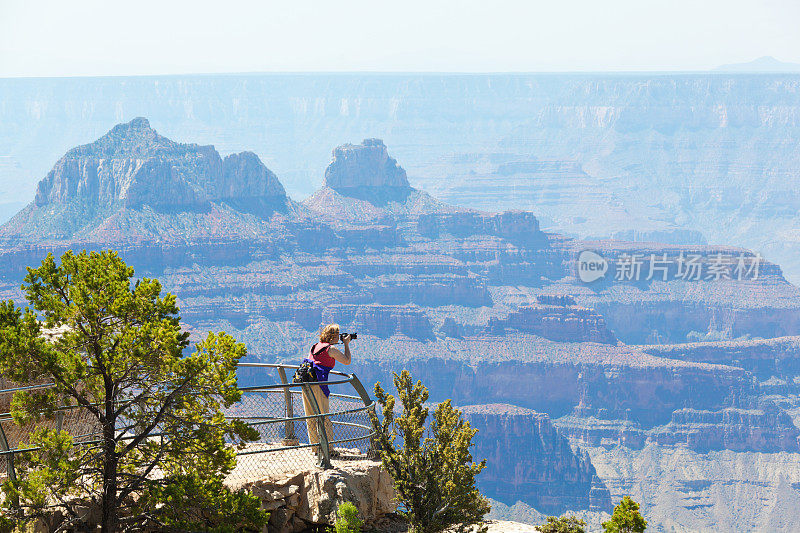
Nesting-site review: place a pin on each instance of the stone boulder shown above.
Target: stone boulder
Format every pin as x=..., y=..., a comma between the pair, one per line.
x=303, y=499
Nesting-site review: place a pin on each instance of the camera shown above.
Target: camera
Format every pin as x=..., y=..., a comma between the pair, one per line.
x=353, y=336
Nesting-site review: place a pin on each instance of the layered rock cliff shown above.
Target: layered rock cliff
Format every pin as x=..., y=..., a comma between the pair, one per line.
x=761, y=429
x=531, y=461
x=590, y=154
x=606, y=381
x=766, y=358
x=766, y=430
x=570, y=323
x=726, y=293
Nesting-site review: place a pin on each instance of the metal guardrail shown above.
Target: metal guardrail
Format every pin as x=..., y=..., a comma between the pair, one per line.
x=348, y=421
x=276, y=410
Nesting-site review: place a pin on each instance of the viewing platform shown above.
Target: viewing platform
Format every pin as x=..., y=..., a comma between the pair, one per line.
x=301, y=483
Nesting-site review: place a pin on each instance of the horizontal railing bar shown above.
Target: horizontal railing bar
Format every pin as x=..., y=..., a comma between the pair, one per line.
x=290, y=385
x=352, y=439
x=250, y=452
x=271, y=421
x=281, y=365
x=348, y=396
x=98, y=441
x=300, y=446
x=29, y=387
x=246, y=365
x=285, y=419
x=337, y=422
x=273, y=391
x=299, y=393
x=275, y=420
x=57, y=409
x=20, y=450
x=350, y=424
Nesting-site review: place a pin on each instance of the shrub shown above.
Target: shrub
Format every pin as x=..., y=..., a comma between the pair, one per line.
x=434, y=476
x=563, y=524
x=347, y=520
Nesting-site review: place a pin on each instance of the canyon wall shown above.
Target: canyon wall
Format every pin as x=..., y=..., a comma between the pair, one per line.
x=484, y=308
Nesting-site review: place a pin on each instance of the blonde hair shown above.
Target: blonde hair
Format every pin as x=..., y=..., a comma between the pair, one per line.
x=329, y=334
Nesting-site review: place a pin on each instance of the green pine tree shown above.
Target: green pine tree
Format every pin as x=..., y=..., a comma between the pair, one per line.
x=434, y=476
x=563, y=524
x=626, y=518
x=159, y=447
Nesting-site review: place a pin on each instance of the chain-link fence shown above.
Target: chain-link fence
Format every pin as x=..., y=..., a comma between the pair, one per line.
x=14, y=437
x=297, y=431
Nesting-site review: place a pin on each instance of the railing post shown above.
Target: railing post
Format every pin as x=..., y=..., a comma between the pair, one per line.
x=361, y=390
x=10, y=471
x=373, y=446
x=322, y=435
x=290, y=438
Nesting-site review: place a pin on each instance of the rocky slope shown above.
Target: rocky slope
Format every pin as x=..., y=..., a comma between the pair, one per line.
x=483, y=307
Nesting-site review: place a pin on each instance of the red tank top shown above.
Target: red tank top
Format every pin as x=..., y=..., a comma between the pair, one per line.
x=319, y=355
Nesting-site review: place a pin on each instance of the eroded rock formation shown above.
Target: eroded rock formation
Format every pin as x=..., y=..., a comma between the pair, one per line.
x=531, y=461
x=356, y=166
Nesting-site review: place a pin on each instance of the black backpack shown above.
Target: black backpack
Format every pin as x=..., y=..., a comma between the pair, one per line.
x=305, y=374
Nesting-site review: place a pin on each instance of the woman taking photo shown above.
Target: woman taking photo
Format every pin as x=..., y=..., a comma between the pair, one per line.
x=323, y=357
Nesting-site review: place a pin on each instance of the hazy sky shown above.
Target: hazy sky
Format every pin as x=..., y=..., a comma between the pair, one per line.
x=78, y=37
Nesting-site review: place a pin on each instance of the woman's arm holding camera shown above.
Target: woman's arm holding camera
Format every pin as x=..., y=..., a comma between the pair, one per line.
x=343, y=358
